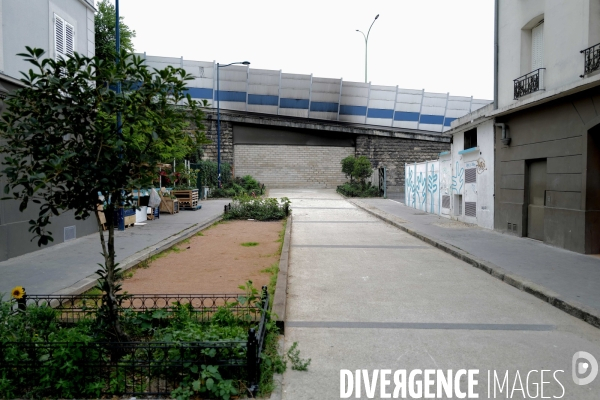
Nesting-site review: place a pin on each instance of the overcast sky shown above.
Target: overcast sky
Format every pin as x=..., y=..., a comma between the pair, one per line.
x=436, y=45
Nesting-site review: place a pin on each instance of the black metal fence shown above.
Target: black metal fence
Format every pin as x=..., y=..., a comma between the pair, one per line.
x=134, y=368
x=74, y=307
x=591, y=60
x=529, y=83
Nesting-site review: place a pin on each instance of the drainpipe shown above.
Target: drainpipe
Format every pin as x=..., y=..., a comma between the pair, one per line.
x=496, y=54
x=505, y=139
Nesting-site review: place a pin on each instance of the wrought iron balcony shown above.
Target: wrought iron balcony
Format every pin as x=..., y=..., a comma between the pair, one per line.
x=529, y=83
x=591, y=60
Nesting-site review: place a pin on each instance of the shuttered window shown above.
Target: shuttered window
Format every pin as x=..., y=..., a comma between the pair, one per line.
x=537, y=47
x=64, y=38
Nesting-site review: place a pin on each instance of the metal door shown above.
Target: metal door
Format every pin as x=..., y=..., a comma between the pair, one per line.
x=537, y=199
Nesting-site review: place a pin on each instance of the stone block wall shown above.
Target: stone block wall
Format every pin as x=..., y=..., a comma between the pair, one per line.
x=279, y=166
x=394, y=152
x=210, y=150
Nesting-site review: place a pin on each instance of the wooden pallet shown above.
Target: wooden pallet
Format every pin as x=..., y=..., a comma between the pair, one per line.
x=193, y=207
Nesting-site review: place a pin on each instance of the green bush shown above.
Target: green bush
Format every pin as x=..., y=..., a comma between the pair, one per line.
x=244, y=186
x=257, y=208
x=357, y=189
x=348, y=166
x=208, y=176
x=362, y=168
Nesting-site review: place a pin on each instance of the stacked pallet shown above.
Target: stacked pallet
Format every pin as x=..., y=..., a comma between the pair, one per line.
x=188, y=199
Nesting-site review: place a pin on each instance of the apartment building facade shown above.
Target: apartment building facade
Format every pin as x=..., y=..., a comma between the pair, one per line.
x=547, y=122
x=60, y=27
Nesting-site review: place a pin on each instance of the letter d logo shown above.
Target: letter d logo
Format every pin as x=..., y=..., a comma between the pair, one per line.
x=581, y=367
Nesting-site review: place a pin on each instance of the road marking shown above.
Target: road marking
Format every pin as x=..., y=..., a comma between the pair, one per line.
x=358, y=246
x=336, y=222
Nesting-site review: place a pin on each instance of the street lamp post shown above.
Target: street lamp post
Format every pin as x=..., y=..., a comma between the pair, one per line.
x=366, y=43
x=121, y=209
x=219, y=117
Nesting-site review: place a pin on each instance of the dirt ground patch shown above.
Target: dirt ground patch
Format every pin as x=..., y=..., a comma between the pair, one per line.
x=215, y=263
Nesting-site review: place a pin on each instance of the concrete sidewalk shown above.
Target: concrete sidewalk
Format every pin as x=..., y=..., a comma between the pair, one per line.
x=70, y=267
x=564, y=279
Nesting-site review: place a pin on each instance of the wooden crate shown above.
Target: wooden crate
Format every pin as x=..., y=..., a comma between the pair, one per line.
x=130, y=220
x=168, y=205
x=188, y=199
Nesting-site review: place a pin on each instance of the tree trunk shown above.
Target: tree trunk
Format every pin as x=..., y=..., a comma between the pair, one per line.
x=112, y=277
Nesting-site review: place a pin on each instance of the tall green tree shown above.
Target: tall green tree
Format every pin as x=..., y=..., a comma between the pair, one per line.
x=104, y=22
x=63, y=147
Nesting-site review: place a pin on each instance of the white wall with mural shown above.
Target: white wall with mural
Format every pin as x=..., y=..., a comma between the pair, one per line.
x=472, y=187
x=422, y=190
x=460, y=185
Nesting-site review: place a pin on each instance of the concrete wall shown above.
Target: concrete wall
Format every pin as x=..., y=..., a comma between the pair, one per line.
x=569, y=27
x=559, y=132
x=454, y=176
x=292, y=166
x=306, y=96
x=31, y=23
x=393, y=153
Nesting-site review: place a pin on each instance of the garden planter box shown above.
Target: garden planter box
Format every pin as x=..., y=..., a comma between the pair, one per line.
x=168, y=205
x=129, y=214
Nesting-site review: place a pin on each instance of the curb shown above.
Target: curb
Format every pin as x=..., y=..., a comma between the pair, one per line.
x=280, y=296
x=573, y=308
x=89, y=282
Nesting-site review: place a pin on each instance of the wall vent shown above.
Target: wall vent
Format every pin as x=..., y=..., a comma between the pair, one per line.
x=514, y=227
x=471, y=175
x=509, y=226
x=470, y=209
x=445, y=201
x=70, y=233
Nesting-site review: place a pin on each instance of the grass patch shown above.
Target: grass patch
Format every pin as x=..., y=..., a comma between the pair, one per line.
x=199, y=233
x=250, y=244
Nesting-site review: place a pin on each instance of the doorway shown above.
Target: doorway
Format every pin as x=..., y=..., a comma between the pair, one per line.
x=536, y=201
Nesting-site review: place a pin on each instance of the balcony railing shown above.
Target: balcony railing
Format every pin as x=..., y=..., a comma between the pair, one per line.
x=529, y=83
x=591, y=60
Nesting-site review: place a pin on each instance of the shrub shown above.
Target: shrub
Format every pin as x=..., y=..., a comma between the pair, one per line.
x=348, y=166
x=208, y=176
x=362, y=168
x=244, y=186
x=260, y=209
x=357, y=189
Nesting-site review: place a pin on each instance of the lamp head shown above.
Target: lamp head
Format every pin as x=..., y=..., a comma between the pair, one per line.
x=377, y=16
x=246, y=62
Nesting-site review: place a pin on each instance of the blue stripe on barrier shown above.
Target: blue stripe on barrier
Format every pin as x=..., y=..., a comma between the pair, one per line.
x=432, y=119
x=353, y=110
x=200, y=93
x=406, y=116
x=323, y=106
x=448, y=120
x=224, y=95
x=294, y=103
x=263, y=99
x=380, y=113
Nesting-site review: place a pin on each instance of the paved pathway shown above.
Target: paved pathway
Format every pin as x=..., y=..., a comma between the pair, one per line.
x=362, y=294
x=67, y=266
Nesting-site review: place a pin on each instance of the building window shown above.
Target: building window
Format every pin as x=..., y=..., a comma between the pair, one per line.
x=470, y=138
x=64, y=38
x=537, y=46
